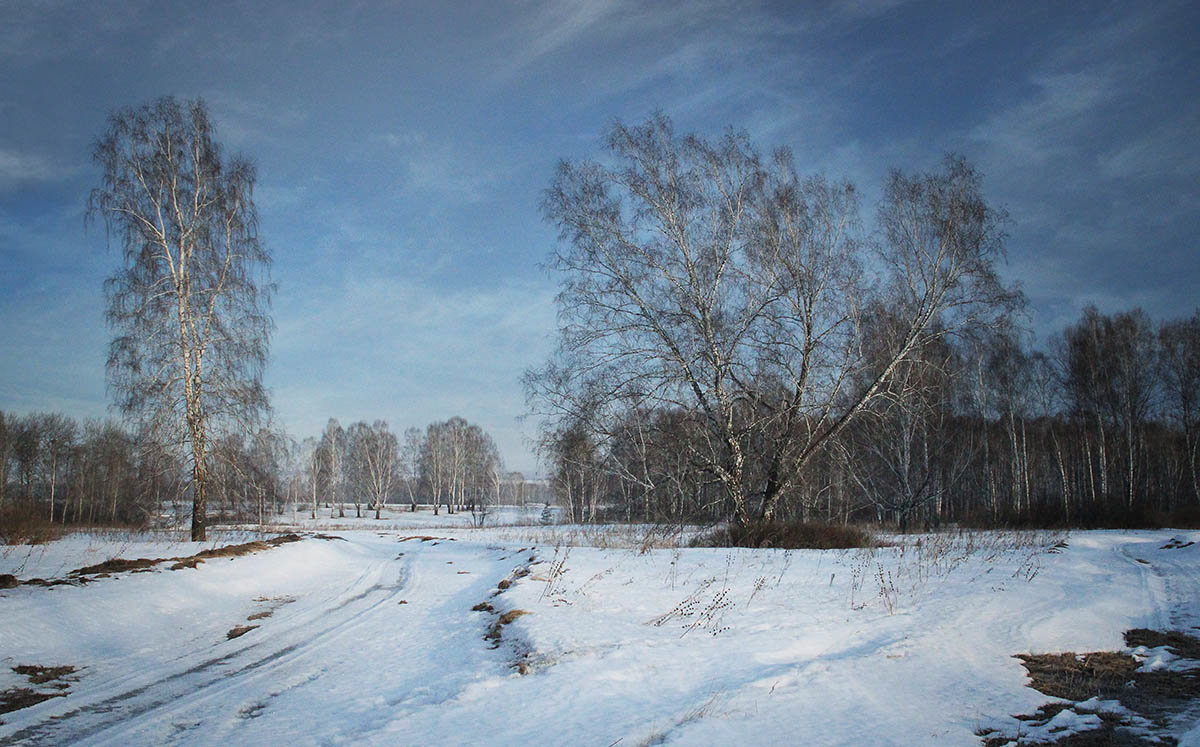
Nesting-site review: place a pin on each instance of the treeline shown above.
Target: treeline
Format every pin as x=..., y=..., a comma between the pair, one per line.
x=55, y=469
x=741, y=342
x=452, y=465
x=1101, y=429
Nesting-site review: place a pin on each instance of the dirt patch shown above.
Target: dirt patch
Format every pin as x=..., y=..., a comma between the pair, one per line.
x=119, y=565
x=1181, y=644
x=425, y=538
x=511, y=615
x=1147, y=700
x=135, y=565
x=497, y=630
x=261, y=615
x=16, y=698
x=483, y=607
x=1176, y=544
x=41, y=675
x=238, y=631
x=8, y=581
x=58, y=678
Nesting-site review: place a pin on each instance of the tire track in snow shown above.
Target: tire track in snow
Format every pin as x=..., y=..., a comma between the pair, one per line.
x=1173, y=579
x=1152, y=580
x=161, y=696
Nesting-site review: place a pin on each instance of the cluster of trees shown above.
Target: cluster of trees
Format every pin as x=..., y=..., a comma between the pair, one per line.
x=1099, y=431
x=734, y=344
x=452, y=464
x=100, y=473
x=96, y=472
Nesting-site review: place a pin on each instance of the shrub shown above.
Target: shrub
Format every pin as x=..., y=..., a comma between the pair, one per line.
x=788, y=535
x=23, y=525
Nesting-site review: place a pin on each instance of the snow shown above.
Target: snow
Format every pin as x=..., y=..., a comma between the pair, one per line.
x=372, y=638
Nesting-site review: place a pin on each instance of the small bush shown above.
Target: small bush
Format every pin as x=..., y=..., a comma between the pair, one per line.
x=787, y=535
x=22, y=525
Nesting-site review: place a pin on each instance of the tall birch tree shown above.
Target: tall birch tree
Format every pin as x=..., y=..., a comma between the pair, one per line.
x=189, y=304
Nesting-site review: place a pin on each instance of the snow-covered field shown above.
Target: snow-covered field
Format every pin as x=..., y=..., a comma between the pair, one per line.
x=384, y=637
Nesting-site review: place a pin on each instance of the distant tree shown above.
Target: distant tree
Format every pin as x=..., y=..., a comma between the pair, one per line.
x=189, y=304
x=27, y=447
x=58, y=434
x=332, y=449
x=1179, y=364
x=901, y=453
x=6, y=443
x=410, y=464
x=436, y=462
x=1109, y=365
x=374, y=461
x=314, y=468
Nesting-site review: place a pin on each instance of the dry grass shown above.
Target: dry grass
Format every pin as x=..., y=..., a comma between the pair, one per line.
x=1154, y=696
x=788, y=535
x=638, y=537
x=19, y=525
x=1078, y=677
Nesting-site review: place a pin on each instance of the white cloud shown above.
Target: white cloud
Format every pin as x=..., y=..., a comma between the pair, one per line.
x=1050, y=122
x=17, y=168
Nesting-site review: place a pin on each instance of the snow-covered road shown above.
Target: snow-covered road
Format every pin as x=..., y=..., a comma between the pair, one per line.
x=373, y=639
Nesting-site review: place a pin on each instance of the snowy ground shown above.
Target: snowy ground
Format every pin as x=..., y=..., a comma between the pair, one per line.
x=373, y=638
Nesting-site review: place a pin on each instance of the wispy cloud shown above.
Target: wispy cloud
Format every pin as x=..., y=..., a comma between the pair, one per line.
x=439, y=167
x=18, y=168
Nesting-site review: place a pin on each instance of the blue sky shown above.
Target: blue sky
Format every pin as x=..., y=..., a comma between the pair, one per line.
x=402, y=149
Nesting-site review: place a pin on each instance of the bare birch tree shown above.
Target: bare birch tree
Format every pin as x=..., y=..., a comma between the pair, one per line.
x=698, y=277
x=189, y=304
x=1179, y=364
x=374, y=461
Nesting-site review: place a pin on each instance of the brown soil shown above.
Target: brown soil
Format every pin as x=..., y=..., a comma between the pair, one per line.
x=1110, y=675
x=1181, y=644
x=240, y=630
x=41, y=675
x=497, y=630
x=124, y=565
x=16, y=698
